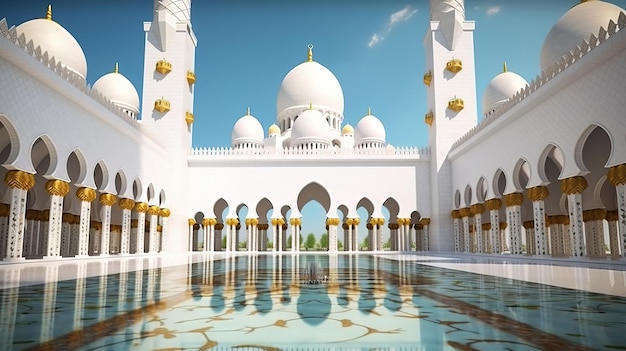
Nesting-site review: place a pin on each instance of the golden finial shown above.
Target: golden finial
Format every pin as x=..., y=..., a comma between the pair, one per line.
x=504, y=69
x=49, y=13
x=248, y=111
x=116, y=69
x=369, y=111
x=310, y=55
x=310, y=105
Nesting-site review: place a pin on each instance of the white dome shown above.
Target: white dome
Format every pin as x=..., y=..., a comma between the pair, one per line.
x=369, y=130
x=501, y=88
x=119, y=90
x=247, y=129
x=310, y=128
x=574, y=26
x=310, y=82
x=57, y=41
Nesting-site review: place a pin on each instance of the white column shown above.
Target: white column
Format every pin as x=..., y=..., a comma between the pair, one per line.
x=127, y=205
x=617, y=176
x=333, y=224
x=456, y=218
x=165, y=214
x=477, y=212
x=107, y=200
x=8, y=312
x=79, y=294
x=74, y=235
x=57, y=190
x=594, y=230
x=49, y=303
x=153, y=211
x=19, y=183
x=191, y=222
x=574, y=187
x=425, y=222
x=513, y=204
x=4, y=228
x=537, y=195
x=611, y=218
x=141, y=208
x=493, y=205
x=465, y=217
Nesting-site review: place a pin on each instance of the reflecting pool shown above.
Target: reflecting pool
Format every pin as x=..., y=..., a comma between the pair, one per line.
x=271, y=302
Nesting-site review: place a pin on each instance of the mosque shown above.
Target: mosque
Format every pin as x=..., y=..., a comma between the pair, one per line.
x=543, y=173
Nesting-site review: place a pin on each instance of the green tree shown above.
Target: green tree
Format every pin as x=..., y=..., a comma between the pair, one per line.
x=310, y=241
x=387, y=244
x=223, y=242
x=339, y=245
x=324, y=241
x=243, y=245
x=289, y=241
x=270, y=245
x=366, y=243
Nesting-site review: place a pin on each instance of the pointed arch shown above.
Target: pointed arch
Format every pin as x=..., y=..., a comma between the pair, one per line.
x=101, y=175
x=162, y=198
x=393, y=207
x=551, y=155
x=76, y=166
x=457, y=199
x=367, y=204
x=43, y=155
x=585, y=145
x=481, y=189
x=263, y=208
x=467, y=195
x=521, y=174
x=120, y=182
x=499, y=183
x=219, y=207
x=150, y=193
x=313, y=191
x=9, y=141
x=137, y=189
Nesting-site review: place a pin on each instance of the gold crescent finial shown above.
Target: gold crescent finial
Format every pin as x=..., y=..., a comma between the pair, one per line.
x=310, y=105
x=248, y=111
x=310, y=55
x=116, y=69
x=369, y=111
x=504, y=69
x=49, y=13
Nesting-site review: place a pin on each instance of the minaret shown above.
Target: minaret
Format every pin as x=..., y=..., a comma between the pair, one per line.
x=451, y=90
x=167, y=99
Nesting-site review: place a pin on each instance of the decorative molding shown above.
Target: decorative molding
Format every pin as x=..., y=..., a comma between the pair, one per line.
x=573, y=185
x=126, y=204
x=514, y=199
x=19, y=180
x=493, y=204
x=108, y=199
x=86, y=194
x=57, y=187
x=538, y=193
x=617, y=174
x=456, y=104
x=454, y=65
x=163, y=67
x=162, y=105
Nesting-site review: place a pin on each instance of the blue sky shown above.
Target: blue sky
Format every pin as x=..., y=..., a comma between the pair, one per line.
x=246, y=47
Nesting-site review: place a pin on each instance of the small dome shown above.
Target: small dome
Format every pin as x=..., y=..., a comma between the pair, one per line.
x=576, y=25
x=310, y=81
x=119, y=90
x=310, y=128
x=57, y=41
x=247, y=129
x=273, y=130
x=347, y=129
x=369, y=130
x=501, y=88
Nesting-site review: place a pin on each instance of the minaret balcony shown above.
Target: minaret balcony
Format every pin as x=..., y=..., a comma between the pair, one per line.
x=189, y=118
x=428, y=118
x=162, y=105
x=428, y=78
x=163, y=67
x=454, y=65
x=191, y=77
x=456, y=104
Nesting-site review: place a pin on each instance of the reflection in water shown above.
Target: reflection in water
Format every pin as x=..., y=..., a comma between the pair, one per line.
x=261, y=302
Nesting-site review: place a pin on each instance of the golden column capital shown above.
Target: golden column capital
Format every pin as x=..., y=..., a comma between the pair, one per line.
x=191, y=221
x=96, y=225
x=19, y=180
x=108, y=199
x=456, y=214
x=57, y=187
x=393, y=226
x=477, y=209
x=126, y=204
x=219, y=226
x=573, y=185
x=86, y=194
x=617, y=175
x=528, y=224
x=206, y=222
x=4, y=210
x=465, y=212
x=425, y=221
x=514, y=199
x=419, y=226
x=611, y=216
x=596, y=214
x=154, y=210
x=493, y=204
x=142, y=207
x=165, y=212
x=486, y=226
x=537, y=193
x=503, y=225
x=332, y=221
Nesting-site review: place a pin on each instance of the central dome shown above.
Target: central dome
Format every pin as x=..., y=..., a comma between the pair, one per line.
x=574, y=26
x=57, y=41
x=310, y=82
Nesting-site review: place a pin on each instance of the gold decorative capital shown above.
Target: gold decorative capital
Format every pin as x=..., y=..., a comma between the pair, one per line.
x=189, y=118
x=19, y=180
x=503, y=225
x=191, y=221
x=191, y=77
x=219, y=226
x=425, y=221
x=454, y=65
x=163, y=67
x=537, y=193
x=332, y=221
x=86, y=194
x=162, y=105
x=141, y=207
x=493, y=204
x=57, y=187
x=127, y=204
x=514, y=199
x=596, y=214
x=206, y=222
x=428, y=78
x=528, y=224
x=165, y=212
x=4, y=210
x=465, y=212
x=611, y=216
x=96, y=225
x=477, y=209
x=419, y=226
x=154, y=210
x=456, y=214
x=617, y=174
x=108, y=199
x=573, y=185
x=456, y=104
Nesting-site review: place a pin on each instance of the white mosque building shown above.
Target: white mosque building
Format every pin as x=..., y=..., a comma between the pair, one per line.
x=90, y=170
